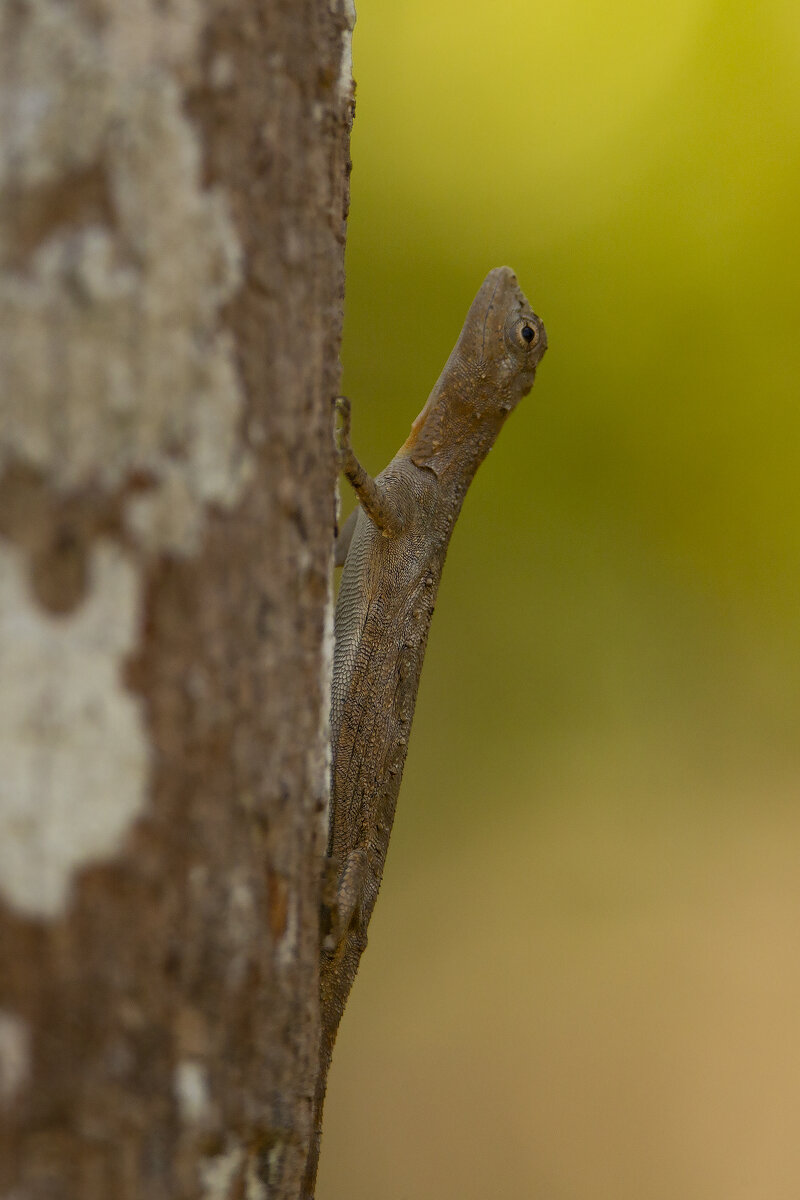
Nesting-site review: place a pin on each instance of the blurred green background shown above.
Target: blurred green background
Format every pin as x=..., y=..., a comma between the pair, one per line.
x=583, y=978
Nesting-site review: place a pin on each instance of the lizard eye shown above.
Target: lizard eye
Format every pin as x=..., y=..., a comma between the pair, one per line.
x=526, y=333
x=525, y=337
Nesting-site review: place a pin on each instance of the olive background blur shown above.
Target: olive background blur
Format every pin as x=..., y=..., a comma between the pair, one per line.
x=583, y=978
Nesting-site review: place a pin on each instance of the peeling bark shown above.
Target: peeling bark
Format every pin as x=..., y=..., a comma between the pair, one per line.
x=172, y=219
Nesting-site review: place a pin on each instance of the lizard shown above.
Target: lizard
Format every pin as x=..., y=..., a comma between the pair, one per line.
x=392, y=550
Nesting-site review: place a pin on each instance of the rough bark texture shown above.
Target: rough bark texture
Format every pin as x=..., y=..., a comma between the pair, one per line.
x=174, y=187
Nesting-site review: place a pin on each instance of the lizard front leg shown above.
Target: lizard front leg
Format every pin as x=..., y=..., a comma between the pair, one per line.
x=383, y=510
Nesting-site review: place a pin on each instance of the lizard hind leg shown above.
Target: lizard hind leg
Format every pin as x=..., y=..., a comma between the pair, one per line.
x=347, y=899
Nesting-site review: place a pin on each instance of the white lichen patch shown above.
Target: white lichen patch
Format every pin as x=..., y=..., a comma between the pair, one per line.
x=59, y=90
x=72, y=738
x=54, y=94
x=345, y=80
x=113, y=361
x=219, y=1172
x=286, y=951
x=254, y=1188
x=15, y=1056
x=242, y=925
x=191, y=1091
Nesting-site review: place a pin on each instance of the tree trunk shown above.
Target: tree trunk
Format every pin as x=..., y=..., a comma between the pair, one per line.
x=174, y=187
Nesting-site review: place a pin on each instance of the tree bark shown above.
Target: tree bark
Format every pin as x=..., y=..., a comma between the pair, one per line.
x=174, y=194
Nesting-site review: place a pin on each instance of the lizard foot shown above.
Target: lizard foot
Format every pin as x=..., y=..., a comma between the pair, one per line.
x=342, y=409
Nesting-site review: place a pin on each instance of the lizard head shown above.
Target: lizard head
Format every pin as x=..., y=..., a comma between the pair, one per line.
x=491, y=368
x=503, y=340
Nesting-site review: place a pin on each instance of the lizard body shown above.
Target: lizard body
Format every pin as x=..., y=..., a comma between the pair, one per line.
x=383, y=612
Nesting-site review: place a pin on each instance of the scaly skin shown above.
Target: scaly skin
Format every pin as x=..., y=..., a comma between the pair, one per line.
x=384, y=608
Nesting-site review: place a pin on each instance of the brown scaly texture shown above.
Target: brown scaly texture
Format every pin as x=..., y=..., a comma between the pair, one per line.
x=386, y=600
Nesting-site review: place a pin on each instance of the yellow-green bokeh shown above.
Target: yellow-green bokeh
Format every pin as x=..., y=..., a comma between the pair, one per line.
x=583, y=977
